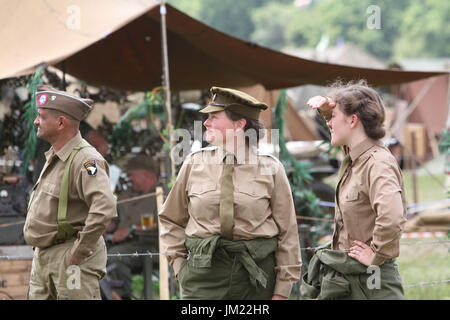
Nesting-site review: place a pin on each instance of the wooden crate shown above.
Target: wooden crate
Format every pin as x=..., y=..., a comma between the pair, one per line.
x=15, y=274
x=419, y=132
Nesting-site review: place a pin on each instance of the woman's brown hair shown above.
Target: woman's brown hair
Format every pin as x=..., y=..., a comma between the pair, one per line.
x=360, y=99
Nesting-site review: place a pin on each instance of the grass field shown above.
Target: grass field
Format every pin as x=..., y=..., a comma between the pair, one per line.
x=420, y=262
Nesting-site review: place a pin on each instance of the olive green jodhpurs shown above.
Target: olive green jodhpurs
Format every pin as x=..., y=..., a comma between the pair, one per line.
x=220, y=269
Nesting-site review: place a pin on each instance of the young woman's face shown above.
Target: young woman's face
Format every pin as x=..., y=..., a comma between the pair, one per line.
x=219, y=128
x=340, y=127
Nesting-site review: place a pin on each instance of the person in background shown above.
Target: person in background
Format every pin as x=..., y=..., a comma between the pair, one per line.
x=144, y=176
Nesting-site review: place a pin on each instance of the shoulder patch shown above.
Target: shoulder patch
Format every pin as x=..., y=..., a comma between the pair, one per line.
x=91, y=167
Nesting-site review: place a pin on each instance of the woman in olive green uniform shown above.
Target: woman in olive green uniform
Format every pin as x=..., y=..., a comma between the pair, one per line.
x=370, y=197
x=228, y=226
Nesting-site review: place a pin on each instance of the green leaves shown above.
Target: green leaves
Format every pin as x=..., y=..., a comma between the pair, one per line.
x=124, y=136
x=28, y=118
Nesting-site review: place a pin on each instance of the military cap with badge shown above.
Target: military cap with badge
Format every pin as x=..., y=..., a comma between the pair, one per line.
x=48, y=97
x=234, y=100
x=77, y=108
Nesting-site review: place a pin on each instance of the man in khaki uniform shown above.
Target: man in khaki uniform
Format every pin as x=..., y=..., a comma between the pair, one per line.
x=70, y=206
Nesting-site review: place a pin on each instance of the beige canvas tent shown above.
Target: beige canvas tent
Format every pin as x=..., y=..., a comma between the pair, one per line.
x=118, y=44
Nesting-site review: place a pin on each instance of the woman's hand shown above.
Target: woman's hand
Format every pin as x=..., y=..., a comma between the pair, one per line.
x=323, y=104
x=278, y=297
x=361, y=252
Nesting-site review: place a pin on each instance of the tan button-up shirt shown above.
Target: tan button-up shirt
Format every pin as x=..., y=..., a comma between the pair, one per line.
x=263, y=208
x=91, y=204
x=370, y=202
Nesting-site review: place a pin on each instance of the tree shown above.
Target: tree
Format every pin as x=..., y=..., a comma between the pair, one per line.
x=270, y=23
x=425, y=30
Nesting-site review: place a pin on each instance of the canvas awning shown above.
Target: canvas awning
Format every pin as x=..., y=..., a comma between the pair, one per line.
x=118, y=44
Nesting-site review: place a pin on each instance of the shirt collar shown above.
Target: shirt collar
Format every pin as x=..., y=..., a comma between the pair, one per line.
x=66, y=150
x=242, y=154
x=362, y=147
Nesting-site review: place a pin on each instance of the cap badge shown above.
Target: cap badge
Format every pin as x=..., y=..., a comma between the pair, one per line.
x=53, y=98
x=42, y=99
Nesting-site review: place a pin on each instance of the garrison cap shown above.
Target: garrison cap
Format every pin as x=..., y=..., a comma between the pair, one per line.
x=234, y=100
x=48, y=97
x=142, y=162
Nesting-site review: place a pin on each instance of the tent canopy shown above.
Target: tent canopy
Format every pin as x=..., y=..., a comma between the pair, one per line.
x=118, y=44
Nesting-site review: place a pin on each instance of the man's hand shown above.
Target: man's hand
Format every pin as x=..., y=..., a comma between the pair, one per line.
x=323, y=104
x=361, y=252
x=73, y=260
x=120, y=235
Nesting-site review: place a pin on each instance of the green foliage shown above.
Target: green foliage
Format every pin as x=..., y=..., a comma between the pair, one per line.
x=305, y=201
x=444, y=142
x=424, y=30
x=299, y=172
x=408, y=28
x=124, y=137
x=28, y=117
x=232, y=17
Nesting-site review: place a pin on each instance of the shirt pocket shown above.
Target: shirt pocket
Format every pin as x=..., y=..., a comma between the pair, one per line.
x=50, y=190
x=252, y=201
x=353, y=195
x=253, y=189
x=201, y=188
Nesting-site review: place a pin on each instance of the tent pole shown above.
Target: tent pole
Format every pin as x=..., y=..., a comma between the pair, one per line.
x=166, y=82
x=163, y=263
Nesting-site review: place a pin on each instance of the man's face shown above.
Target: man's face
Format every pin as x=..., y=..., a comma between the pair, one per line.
x=47, y=125
x=142, y=180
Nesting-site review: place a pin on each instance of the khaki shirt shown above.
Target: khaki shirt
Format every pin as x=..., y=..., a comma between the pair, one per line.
x=263, y=208
x=370, y=202
x=130, y=212
x=91, y=204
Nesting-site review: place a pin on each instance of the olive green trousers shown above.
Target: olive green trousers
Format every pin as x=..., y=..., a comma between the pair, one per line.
x=219, y=269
